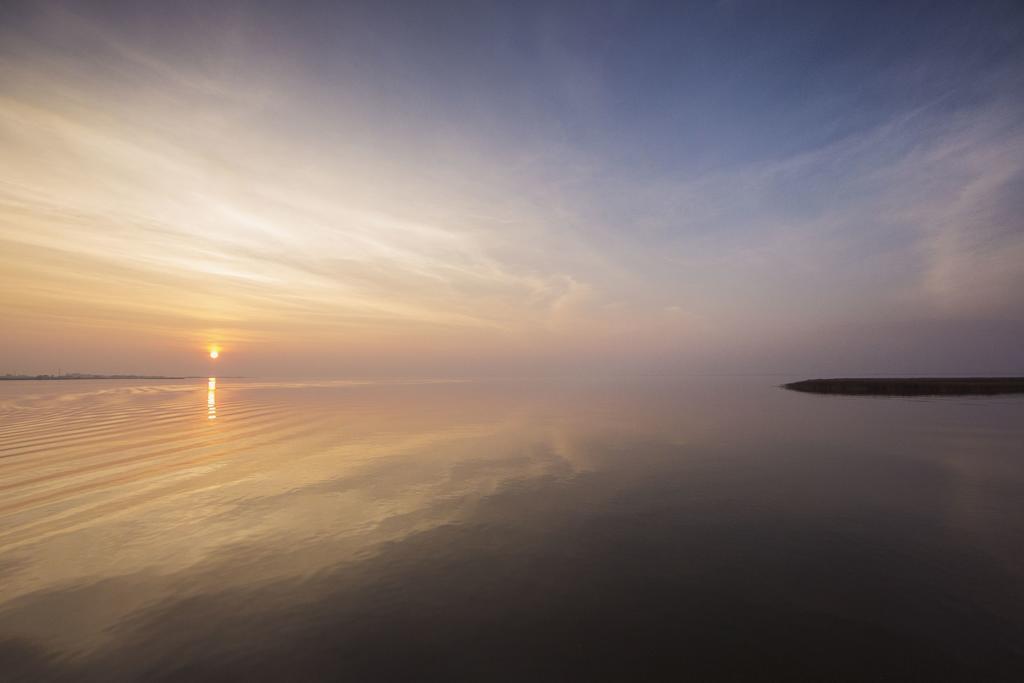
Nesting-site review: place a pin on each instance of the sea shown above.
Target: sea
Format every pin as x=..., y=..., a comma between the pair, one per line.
x=627, y=529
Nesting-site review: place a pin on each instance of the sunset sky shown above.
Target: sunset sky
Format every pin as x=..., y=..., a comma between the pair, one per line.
x=440, y=189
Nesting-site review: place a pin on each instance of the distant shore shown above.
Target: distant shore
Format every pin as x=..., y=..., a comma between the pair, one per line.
x=911, y=386
x=79, y=375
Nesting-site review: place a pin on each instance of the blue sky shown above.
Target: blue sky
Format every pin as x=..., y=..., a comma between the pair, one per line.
x=477, y=188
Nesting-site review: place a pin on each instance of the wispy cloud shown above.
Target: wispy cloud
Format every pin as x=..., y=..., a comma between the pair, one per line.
x=182, y=194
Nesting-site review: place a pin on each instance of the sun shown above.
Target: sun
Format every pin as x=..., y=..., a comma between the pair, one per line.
x=214, y=353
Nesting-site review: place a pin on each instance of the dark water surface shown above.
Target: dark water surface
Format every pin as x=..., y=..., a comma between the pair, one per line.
x=711, y=529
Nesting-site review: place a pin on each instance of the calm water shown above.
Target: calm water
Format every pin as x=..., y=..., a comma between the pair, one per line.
x=716, y=529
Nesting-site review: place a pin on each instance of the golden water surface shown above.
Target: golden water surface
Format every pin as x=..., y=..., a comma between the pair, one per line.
x=232, y=528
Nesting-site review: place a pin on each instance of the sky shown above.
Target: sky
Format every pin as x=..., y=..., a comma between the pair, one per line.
x=475, y=189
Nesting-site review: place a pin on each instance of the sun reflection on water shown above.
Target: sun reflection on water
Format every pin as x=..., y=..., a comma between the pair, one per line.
x=211, y=399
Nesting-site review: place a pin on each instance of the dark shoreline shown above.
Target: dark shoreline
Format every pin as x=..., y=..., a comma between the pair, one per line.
x=910, y=386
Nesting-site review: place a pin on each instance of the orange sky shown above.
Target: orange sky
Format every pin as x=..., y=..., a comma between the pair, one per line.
x=347, y=207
